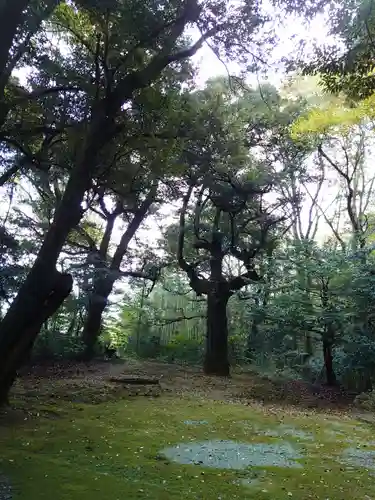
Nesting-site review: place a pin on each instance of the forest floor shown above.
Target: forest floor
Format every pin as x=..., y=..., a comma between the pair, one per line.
x=72, y=434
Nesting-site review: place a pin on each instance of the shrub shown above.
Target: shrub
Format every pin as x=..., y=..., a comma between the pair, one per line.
x=181, y=348
x=56, y=345
x=146, y=347
x=365, y=401
x=355, y=363
x=236, y=348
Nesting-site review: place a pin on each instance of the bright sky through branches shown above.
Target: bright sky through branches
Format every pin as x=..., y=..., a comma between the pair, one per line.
x=290, y=33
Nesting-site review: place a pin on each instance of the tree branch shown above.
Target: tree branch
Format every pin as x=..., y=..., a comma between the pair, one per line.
x=239, y=282
x=169, y=321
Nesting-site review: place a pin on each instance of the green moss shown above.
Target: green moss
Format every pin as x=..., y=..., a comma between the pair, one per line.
x=112, y=450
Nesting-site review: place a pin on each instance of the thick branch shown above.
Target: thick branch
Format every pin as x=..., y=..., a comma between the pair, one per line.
x=8, y=174
x=142, y=78
x=133, y=227
x=198, y=285
x=169, y=321
x=239, y=282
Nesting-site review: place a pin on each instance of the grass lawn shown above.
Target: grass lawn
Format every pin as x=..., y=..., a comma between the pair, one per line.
x=111, y=451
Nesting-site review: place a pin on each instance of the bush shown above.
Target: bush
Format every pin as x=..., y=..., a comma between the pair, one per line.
x=51, y=345
x=355, y=364
x=365, y=401
x=181, y=348
x=236, y=348
x=147, y=347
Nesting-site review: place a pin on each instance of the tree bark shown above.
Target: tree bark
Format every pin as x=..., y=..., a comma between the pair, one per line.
x=328, y=363
x=93, y=323
x=18, y=352
x=216, y=357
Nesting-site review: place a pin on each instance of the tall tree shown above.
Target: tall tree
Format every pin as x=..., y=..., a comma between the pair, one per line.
x=129, y=46
x=344, y=153
x=226, y=211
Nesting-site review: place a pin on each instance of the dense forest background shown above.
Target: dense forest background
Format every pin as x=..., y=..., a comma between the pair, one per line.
x=144, y=214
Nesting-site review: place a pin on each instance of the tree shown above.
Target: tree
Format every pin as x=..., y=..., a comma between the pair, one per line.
x=226, y=213
x=106, y=274
x=344, y=154
x=22, y=21
x=129, y=45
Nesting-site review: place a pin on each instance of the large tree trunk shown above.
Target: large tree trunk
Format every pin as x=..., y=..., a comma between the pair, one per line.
x=18, y=352
x=328, y=363
x=216, y=357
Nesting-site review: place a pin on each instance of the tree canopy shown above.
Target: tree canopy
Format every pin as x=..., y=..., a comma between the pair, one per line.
x=145, y=212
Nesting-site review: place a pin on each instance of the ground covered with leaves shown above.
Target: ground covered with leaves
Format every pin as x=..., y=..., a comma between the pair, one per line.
x=80, y=436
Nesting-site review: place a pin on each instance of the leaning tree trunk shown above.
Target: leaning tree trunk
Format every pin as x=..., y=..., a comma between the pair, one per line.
x=17, y=352
x=44, y=288
x=216, y=357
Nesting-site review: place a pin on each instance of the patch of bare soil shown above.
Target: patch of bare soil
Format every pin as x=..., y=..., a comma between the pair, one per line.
x=94, y=383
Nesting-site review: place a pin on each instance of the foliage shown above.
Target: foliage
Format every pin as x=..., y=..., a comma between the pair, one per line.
x=53, y=345
x=348, y=68
x=290, y=326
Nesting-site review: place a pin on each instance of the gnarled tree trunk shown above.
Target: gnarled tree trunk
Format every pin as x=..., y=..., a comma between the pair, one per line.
x=216, y=356
x=18, y=351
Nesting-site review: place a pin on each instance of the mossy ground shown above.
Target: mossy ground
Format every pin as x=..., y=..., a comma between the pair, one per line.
x=78, y=451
